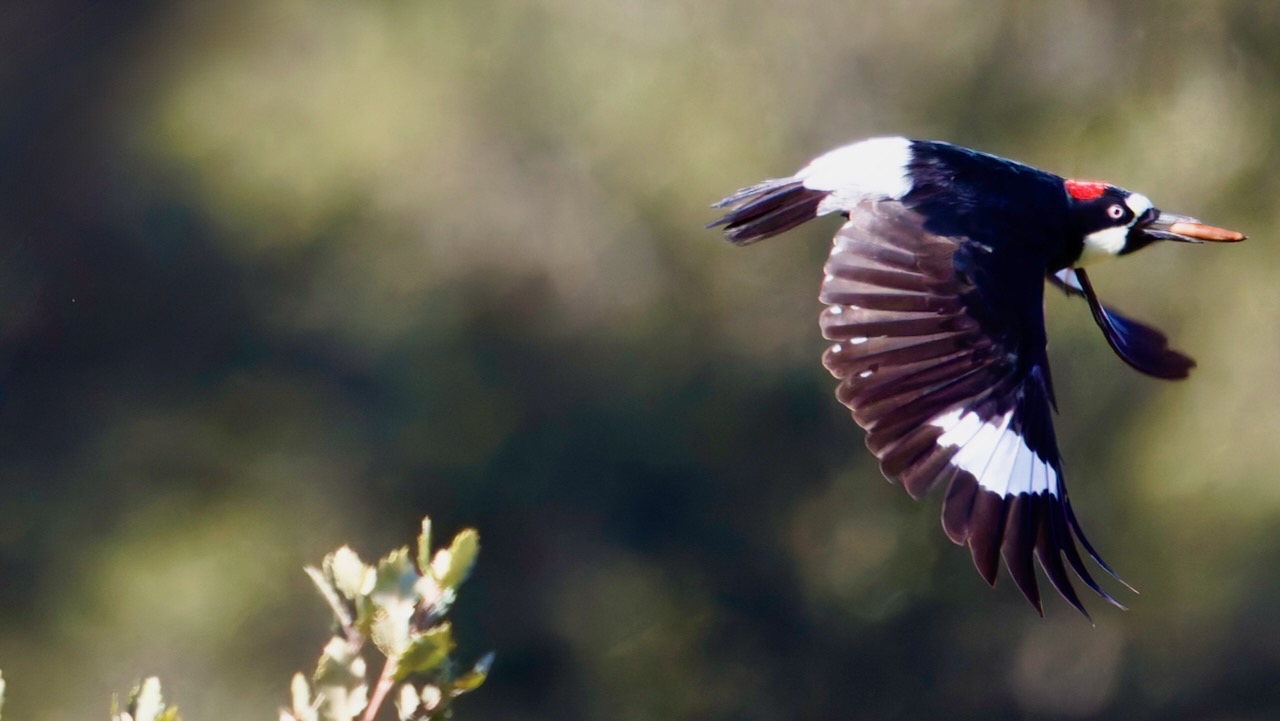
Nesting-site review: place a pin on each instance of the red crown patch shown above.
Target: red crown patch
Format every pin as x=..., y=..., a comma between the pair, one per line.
x=1086, y=189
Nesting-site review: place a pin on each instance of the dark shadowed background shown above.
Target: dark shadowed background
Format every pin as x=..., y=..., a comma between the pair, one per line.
x=277, y=275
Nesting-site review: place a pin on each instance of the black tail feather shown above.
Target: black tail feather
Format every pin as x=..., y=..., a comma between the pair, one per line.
x=767, y=209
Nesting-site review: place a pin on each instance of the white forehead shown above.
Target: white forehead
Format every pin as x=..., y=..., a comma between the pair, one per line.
x=1138, y=203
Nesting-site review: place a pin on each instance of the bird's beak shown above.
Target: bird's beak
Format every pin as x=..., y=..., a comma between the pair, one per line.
x=1168, y=226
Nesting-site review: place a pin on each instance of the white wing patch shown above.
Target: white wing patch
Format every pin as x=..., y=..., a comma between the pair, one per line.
x=995, y=454
x=1067, y=277
x=998, y=475
x=1024, y=467
x=874, y=169
x=957, y=429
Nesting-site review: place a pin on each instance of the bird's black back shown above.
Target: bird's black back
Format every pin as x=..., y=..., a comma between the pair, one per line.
x=1016, y=219
x=991, y=200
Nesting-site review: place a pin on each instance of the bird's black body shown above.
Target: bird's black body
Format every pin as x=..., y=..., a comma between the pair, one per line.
x=934, y=292
x=994, y=201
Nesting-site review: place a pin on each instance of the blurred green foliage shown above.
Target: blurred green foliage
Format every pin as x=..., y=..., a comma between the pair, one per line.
x=276, y=272
x=397, y=604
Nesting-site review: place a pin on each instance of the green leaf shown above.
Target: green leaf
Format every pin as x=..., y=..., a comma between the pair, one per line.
x=450, y=567
x=299, y=692
x=433, y=598
x=390, y=631
x=341, y=607
x=394, y=600
x=407, y=704
x=431, y=698
x=344, y=581
x=343, y=704
x=340, y=681
x=349, y=574
x=424, y=547
x=425, y=652
x=471, y=680
x=340, y=663
x=301, y=706
x=146, y=703
x=394, y=580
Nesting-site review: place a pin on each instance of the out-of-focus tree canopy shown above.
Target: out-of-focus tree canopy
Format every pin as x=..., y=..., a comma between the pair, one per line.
x=277, y=275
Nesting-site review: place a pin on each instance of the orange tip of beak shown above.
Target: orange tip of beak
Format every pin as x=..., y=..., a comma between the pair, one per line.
x=1209, y=233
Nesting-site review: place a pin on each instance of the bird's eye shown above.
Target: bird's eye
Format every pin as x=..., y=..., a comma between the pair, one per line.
x=1116, y=212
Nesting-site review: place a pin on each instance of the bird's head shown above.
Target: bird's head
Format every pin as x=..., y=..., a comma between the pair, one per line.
x=1114, y=221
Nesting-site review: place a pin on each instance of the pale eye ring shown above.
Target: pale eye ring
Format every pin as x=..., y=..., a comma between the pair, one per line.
x=1116, y=211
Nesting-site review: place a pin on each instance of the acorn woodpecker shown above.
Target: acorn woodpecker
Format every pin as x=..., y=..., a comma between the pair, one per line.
x=934, y=294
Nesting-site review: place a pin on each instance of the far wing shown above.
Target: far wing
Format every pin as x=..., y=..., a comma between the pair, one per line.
x=1141, y=346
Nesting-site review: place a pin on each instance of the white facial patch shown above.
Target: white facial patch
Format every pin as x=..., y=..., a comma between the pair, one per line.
x=870, y=169
x=1138, y=203
x=1103, y=244
x=995, y=454
x=1108, y=243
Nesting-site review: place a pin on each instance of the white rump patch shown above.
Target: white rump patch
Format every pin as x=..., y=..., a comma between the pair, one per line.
x=870, y=169
x=995, y=454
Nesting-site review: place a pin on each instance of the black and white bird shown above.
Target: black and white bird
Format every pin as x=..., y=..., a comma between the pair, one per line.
x=934, y=294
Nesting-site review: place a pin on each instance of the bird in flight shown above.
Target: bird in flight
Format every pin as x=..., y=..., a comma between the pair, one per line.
x=934, y=294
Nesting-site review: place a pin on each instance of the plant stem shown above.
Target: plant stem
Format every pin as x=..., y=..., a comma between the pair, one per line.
x=385, y=682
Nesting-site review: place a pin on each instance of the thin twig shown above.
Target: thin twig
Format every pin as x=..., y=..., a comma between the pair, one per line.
x=385, y=682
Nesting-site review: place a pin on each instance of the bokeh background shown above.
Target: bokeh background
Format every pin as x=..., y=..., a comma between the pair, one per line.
x=278, y=275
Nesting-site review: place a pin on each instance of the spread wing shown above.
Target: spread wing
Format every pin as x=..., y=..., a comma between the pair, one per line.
x=940, y=355
x=1141, y=346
